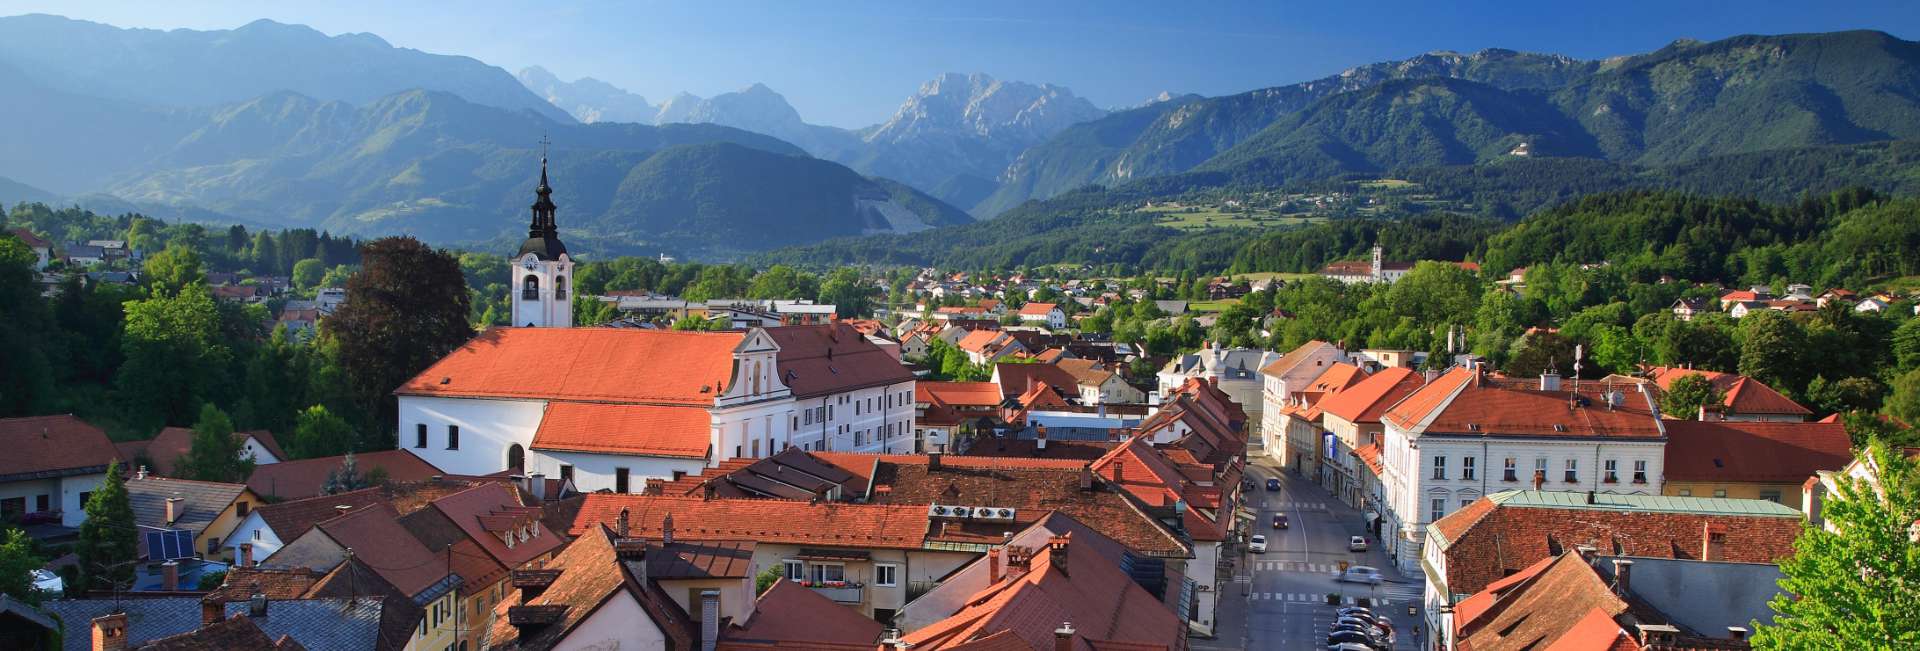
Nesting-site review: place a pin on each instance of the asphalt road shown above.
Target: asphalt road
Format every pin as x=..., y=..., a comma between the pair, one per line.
x=1278, y=599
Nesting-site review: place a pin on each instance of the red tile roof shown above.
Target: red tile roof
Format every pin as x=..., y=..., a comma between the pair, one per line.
x=788, y=615
x=53, y=444
x=816, y=360
x=771, y=521
x=977, y=341
x=1552, y=609
x=1459, y=406
x=959, y=394
x=308, y=477
x=486, y=511
x=646, y=430
x=1368, y=400
x=28, y=238
x=628, y=365
x=1744, y=395
x=1031, y=492
x=1015, y=378
x=1337, y=377
x=1145, y=473
x=1418, y=405
x=1037, y=309
x=165, y=449
x=376, y=537
x=1108, y=610
x=1737, y=451
x=1370, y=455
x=1294, y=358
x=590, y=573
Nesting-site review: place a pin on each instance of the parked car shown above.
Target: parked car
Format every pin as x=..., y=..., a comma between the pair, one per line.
x=1355, y=611
x=1279, y=520
x=1348, y=646
x=1361, y=574
x=1356, y=544
x=1273, y=484
x=1357, y=637
x=1258, y=545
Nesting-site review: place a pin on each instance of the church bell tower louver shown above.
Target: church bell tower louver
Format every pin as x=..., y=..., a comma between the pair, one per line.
x=541, y=272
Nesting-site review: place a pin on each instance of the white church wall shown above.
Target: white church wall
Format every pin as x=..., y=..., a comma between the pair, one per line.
x=488, y=427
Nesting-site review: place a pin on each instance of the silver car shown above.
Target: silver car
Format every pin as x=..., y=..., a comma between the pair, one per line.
x=1361, y=574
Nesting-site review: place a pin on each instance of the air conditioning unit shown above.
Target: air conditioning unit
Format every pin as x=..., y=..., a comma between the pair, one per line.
x=962, y=511
x=938, y=511
x=992, y=513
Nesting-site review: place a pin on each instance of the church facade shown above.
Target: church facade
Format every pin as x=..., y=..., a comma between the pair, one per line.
x=612, y=408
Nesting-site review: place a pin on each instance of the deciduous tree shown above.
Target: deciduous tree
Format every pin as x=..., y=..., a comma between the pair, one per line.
x=405, y=309
x=1687, y=394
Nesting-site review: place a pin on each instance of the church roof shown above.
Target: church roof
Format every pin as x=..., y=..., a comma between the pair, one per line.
x=543, y=234
x=648, y=430
x=618, y=365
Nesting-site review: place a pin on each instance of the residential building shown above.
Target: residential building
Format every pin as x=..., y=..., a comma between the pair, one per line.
x=162, y=453
x=206, y=511
x=42, y=249
x=790, y=616
x=1236, y=371
x=1862, y=469
x=988, y=346
x=946, y=412
x=1302, y=442
x=184, y=622
x=1098, y=383
x=1685, y=308
x=833, y=364
x=1746, y=399
x=1280, y=380
x=1374, y=270
x=1464, y=435
x=52, y=465
x=300, y=478
x=1351, y=416
x=1505, y=533
x=1044, y=314
x=1188, y=495
x=1751, y=459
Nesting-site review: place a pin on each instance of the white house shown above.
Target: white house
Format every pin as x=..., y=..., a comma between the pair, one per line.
x=1280, y=378
x=1235, y=370
x=1046, y=314
x=53, y=464
x=1464, y=436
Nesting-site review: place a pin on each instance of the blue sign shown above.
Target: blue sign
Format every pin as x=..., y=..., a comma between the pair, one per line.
x=1331, y=445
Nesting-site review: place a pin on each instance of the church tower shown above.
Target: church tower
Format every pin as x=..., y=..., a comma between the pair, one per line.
x=541, y=273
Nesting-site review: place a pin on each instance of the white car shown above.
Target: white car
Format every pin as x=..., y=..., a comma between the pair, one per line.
x=1356, y=544
x=1361, y=574
x=1258, y=544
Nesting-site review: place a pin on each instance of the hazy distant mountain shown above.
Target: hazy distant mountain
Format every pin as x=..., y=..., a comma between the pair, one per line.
x=588, y=99
x=13, y=192
x=188, y=68
x=758, y=109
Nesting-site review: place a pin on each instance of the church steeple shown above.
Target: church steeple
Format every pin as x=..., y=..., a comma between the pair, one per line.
x=543, y=234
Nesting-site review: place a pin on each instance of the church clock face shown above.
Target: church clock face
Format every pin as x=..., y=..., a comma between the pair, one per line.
x=528, y=263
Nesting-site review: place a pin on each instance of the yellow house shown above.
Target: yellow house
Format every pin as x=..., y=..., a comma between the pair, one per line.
x=1750, y=459
x=210, y=510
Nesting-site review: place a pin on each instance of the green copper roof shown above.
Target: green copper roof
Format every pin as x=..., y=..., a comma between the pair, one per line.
x=1645, y=503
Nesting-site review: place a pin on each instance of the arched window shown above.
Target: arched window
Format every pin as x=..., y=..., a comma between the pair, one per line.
x=530, y=288
x=560, y=287
x=516, y=457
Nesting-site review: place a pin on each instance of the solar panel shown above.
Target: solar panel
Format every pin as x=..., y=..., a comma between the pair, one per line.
x=169, y=545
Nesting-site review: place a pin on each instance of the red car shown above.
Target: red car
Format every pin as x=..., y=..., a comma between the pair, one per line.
x=1279, y=520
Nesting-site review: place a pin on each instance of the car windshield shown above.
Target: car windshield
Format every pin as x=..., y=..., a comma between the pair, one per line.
x=1259, y=539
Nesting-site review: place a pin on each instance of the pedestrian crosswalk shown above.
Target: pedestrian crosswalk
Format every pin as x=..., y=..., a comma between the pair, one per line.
x=1382, y=594
x=1295, y=566
x=1296, y=506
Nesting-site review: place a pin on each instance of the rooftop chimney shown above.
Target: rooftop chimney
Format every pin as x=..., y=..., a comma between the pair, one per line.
x=212, y=611
x=1586, y=551
x=170, y=576
x=175, y=505
x=1736, y=632
x=246, y=554
x=1622, y=576
x=993, y=564
x=110, y=632
x=1550, y=381
x=1063, y=637
x=537, y=483
x=1539, y=479
x=620, y=524
x=933, y=461
x=141, y=473
x=1040, y=437
x=532, y=583
x=1591, y=498
x=257, y=604
x=1057, y=552
x=709, y=619
x=666, y=529
x=1086, y=477
x=1119, y=470
x=1713, y=544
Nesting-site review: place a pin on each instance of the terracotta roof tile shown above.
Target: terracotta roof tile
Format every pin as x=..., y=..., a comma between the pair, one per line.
x=475, y=511
x=817, y=360
x=1460, y=407
x=1293, y=358
x=1037, y=309
x=1419, y=404
x=1014, y=379
x=787, y=614
x=53, y=444
x=377, y=538
x=773, y=521
x=967, y=394
x=1031, y=492
x=1368, y=400
x=590, y=573
x=588, y=364
x=646, y=430
x=1548, y=611
x=1735, y=451
x=1021, y=612
x=1744, y=395
x=308, y=477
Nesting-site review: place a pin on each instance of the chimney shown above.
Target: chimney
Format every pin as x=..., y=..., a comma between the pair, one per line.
x=538, y=483
x=1063, y=637
x=257, y=604
x=170, y=576
x=993, y=564
x=532, y=583
x=1539, y=479
x=1018, y=558
x=246, y=554
x=211, y=611
x=1550, y=381
x=1736, y=633
x=933, y=461
x=1086, y=477
x=341, y=509
x=620, y=524
x=1586, y=552
x=1040, y=437
x=110, y=632
x=1622, y=576
x=1213, y=380
x=1591, y=498
x=174, y=506
x=666, y=529
x=709, y=619
x=1119, y=470
x=1713, y=544
x=1057, y=552
x=141, y=473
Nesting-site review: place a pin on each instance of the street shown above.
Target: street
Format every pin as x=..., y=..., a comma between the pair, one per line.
x=1278, y=599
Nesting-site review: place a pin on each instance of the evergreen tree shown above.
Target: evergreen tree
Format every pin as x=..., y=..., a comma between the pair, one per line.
x=17, y=563
x=108, y=543
x=1854, y=584
x=215, y=455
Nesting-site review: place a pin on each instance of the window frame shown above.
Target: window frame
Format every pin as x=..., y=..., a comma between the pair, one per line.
x=1572, y=470
x=1440, y=466
x=1640, y=471
x=453, y=436
x=622, y=480
x=1511, y=470
x=1467, y=469
x=892, y=573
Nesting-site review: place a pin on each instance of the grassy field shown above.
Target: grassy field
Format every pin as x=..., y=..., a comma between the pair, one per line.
x=1387, y=184
x=1272, y=275
x=1194, y=218
x=1210, y=306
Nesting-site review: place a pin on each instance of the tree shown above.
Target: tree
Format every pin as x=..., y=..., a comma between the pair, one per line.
x=405, y=309
x=308, y=273
x=1854, y=584
x=849, y=296
x=108, y=543
x=346, y=478
x=215, y=455
x=26, y=386
x=1906, y=345
x=172, y=270
x=176, y=356
x=1845, y=395
x=1687, y=394
x=319, y=433
x=1770, y=349
x=17, y=563
x=1904, y=403
x=782, y=282
x=590, y=311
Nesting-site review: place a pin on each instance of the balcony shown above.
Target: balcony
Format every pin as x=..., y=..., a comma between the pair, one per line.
x=529, y=294
x=850, y=593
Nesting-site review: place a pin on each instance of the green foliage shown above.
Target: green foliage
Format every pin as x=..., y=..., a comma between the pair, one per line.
x=1904, y=403
x=783, y=282
x=1770, y=348
x=25, y=387
x=215, y=454
x=405, y=309
x=766, y=578
x=850, y=296
x=590, y=311
x=108, y=544
x=308, y=273
x=1687, y=394
x=1856, y=586
x=319, y=433
x=18, y=560
x=697, y=324
x=173, y=270
x=176, y=357
x=211, y=581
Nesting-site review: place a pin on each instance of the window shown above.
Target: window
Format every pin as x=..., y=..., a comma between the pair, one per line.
x=1613, y=471
x=560, y=288
x=1439, y=508
x=12, y=507
x=796, y=571
x=823, y=573
x=1640, y=472
x=886, y=576
x=420, y=435
x=1466, y=468
x=620, y=478
x=1686, y=492
x=213, y=545
x=1466, y=503
x=453, y=437
x=256, y=534
x=41, y=503
x=756, y=448
x=1719, y=492
x=1573, y=470
x=239, y=508
x=1439, y=467
x=530, y=288
x=1508, y=472
x=566, y=473
x=1771, y=496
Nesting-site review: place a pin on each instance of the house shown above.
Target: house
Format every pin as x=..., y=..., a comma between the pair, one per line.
x=1754, y=295
x=1016, y=380
x=863, y=556
x=52, y=465
x=1751, y=459
x=604, y=407
x=1171, y=308
x=161, y=454
x=1279, y=380
x=1234, y=370
x=1585, y=600
x=1352, y=416
x=1480, y=546
x=1295, y=436
x=206, y=511
x=268, y=527
x=1840, y=294
x=1099, y=383
x=598, y=594
x=85, y=255
x=1870, y=304
x=945, y=412
x=1463, y=435
x=1746, y=399
x=42, y=249
x=1045, y=314
x=1685, y=308
x=1741, y=309
x=1191, y=497
x=1375, y=270
x=1864, y=469
x=790, y=616
x=184, y=623
x=300, y=478
x=988, y=346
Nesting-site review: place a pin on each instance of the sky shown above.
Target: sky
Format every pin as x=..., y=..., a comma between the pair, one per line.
x=850, y=64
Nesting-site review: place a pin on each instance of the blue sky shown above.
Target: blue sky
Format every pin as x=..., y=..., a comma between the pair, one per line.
x=851, y=63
